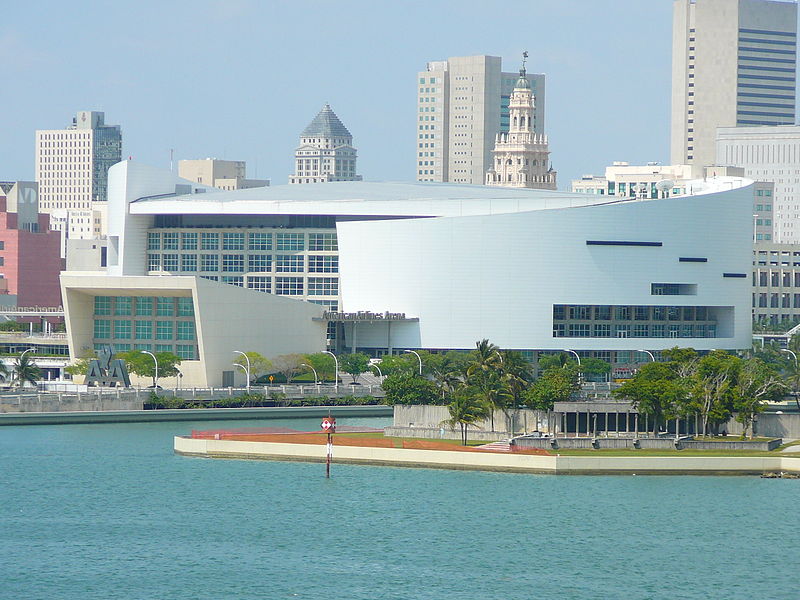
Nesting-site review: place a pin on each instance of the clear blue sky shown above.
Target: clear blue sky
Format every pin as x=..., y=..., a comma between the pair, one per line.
x=240, y=79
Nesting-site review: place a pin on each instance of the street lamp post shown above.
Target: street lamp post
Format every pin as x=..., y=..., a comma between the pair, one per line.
x=336, y=367
x=650, y=354
x=419, y=358
x=316, y=378
x=575, y=353
x=155, y=360
x=796, y=399
x=24, y=352
x=380, y=373
x=246, y=370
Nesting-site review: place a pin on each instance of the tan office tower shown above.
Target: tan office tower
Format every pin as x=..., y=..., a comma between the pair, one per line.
x=463, y=103
x=222, y=174
x=733, y=63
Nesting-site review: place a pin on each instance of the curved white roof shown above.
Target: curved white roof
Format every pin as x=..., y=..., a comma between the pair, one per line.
x=360, y=198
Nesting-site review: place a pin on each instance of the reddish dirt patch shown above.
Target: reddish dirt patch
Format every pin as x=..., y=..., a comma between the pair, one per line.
x=432, y=445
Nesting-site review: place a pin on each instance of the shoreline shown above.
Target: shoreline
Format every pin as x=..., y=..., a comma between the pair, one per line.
x=191, y=414
x=489, y=461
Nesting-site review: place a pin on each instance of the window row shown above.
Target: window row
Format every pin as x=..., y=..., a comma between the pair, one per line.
x=239, y=263
x=776, y=278
x=239, y=240
x=776, y=300
x=183, y=351
x=606, y=330
x=143, y=306
x=587, y=312
x=283, y=286
x=123, y=329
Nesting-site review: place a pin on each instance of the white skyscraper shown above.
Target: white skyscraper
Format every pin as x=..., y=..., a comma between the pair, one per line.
x=72, y=171
x=463, y=103
x=733, y=64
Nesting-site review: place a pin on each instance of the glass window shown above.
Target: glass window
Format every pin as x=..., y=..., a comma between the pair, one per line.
x=322, y=242
x=233, y=263
x=259, y=241
x=189, y=240
x=209, y=241
x=579, y=330
x=674, y=313
x=121, y=347
x=144, y=330
x=122, y=329
x=259, y=263
x=289, y=263
x=622, y=331
x=163, y=330
x=153, y=262
x=186, y=351
x=641, y=313
x=323, y=264
x=209, y=262
x=185, y=330
x=144, y=307
x=170, y=262
x=602, y=330
x=289, y=241
x=122, y=305
x=640, y=330
x=165, y=307
x=233, y=240
x=289, y=286
x=170, y=240
x=189, y=263
x=102, y=329
x=185, y=307
x=323, y=286
x=581, y=312
x=165, y=348
x=148, y=347
x=153, y=241
x=260, y=284
x=701, y=313
x=102, y=305
x=559, y=312
x=602, y=313
x=233, y=280
x=622, y=313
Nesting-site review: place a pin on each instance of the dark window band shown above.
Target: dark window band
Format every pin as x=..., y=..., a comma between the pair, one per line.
x=740, y=275
x=767, y=32
x=619, y=243
x=692, y=259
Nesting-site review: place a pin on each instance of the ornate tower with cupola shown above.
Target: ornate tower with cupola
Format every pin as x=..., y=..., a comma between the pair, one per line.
x=521, y=157
x=326, y=151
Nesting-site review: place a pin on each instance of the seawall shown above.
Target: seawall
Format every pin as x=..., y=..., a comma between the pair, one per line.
x=490, y=461
x=191, y=414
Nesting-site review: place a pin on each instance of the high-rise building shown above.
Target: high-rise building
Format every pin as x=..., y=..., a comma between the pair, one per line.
x=733, y=64
x=463, y=103
x=72, y=172
x=521, y=156
x=222, y=174
x=768, y=154
x=326, y=151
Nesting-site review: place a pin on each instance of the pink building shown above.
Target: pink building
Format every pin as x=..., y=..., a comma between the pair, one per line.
x=30, y=259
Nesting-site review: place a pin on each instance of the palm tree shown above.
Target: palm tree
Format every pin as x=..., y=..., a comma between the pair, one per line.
x=465, y=410
x=25, y=371
x=446, y=376
x=483, y=375
x=515, y=372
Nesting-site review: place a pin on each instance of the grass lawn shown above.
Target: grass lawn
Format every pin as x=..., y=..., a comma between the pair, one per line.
x=398, y=441
x=650, y=452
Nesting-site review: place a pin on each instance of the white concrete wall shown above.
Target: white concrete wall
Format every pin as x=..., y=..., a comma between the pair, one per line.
x=498, y=276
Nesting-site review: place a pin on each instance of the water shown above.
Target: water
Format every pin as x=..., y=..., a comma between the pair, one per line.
x=108, y=511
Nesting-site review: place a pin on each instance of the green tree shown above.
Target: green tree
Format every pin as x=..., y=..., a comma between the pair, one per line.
x=24, y=370
x=515, y=372
x=757, y=384
x=354, y=364
x=553, y=361
x=260, y=365
x=595, y=367
x=141, y=364
x=713, y=385
x=655, y=391
x=323, y=363
x=81, y=364
x=398, y=363
x=484, y=376
x=407, y=388
x=465, y=409
x=555, y=385
x=288, y=365
x=448, y=372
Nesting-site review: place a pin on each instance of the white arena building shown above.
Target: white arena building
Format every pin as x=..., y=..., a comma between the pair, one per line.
x=384, y=267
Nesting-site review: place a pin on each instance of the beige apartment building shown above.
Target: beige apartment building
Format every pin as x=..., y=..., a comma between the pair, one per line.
x=221, y=174
x=463, y=103
x=733, y=64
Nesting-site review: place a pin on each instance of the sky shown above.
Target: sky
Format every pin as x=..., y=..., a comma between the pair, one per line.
x=240, y=79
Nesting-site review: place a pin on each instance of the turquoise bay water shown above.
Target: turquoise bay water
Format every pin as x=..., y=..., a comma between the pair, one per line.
x=108, y=511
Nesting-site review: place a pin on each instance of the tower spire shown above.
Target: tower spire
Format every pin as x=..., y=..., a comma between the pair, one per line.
x=524, y=59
